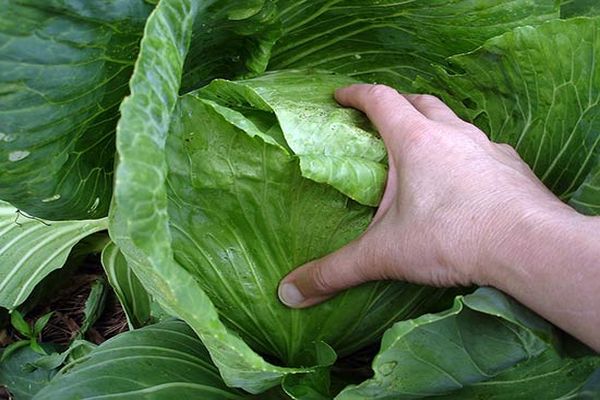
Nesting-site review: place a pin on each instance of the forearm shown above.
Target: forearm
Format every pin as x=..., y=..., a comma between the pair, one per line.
x=552, y=265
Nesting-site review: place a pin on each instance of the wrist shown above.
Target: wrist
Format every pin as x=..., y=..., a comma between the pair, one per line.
x=551, y=264
x=528, y=239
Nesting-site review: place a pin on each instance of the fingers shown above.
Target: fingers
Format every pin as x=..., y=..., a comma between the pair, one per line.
x=318, y=280
x=432, y=107
x=392, y=114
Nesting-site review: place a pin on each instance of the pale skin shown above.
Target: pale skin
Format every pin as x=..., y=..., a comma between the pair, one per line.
x=459, y=209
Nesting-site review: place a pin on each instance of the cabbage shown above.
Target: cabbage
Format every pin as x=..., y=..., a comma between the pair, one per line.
x=233, y=165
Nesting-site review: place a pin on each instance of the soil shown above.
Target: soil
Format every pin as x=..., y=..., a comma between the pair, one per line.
x=68, y=306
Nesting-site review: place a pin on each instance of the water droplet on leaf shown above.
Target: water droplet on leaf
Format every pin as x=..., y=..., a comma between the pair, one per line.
x=18, y=155
x=53, y=198
x=94, y=206
x=387, y=368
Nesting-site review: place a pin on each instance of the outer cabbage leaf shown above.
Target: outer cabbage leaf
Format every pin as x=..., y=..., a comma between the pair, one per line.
x=24, y=383
x=131, y=294
x=230, y=39
x=161, y=361
x=547, y=377
x=31, y=248
x=537, y=89
x=591, y=388
x=139, y=216
x=587, y=198
x=576, y=8
x=485, y=346
x=391, y=41
x=64, y=67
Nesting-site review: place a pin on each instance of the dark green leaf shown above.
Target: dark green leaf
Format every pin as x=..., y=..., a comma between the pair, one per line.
x=538, y=89
x=21, y=381
x=64, y=67
x=388, y=41
x=576, y=8
x=547, y=377
x=482, y=335
x=77, y=350
x=314, y=385
x=591, y=388
x=9, y=350
x=230, y=38
x=162, y=361
x=587, y=198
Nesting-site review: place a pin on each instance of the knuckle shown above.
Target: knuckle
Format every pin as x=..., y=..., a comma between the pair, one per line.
x=381, y=92
x=426, y=99
x=474, y=132
x=319, y=280
x=508, y=148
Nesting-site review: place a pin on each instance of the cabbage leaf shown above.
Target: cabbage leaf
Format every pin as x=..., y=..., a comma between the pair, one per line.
x=161, y=361
x=537, y=89
x=486, y=345
x=227, y=177
x=139, y=215
x=133, y=297
x=64, y=68
x=465, y=352
x=25, y=263
x=393, y=42
x=220, y=176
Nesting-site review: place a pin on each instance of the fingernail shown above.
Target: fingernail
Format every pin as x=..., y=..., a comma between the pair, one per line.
x=290, y=295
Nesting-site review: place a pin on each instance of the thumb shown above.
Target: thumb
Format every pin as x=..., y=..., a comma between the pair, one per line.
x=320, y=279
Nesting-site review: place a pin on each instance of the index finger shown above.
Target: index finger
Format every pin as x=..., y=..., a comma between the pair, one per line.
x=391, y=113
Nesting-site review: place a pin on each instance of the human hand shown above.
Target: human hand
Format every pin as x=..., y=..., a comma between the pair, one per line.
x=455, y=203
